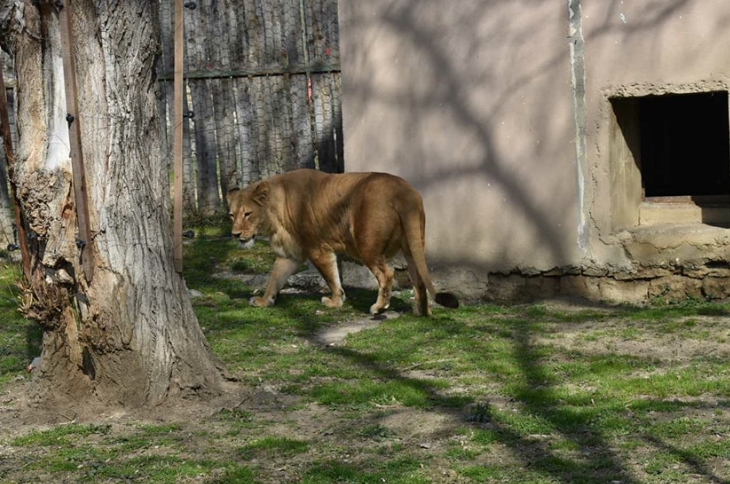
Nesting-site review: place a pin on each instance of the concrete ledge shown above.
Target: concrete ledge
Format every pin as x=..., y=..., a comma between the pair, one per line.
x=653, y=213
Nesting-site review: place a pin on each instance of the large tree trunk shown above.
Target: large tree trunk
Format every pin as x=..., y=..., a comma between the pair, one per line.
x=128, y=336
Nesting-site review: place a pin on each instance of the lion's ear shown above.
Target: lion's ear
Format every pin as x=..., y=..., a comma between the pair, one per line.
x=230, y=193
x=261, y=193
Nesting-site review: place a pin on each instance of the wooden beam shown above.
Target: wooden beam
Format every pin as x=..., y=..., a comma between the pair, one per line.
x=85, y=240
x=258, y=72
x=178, y=137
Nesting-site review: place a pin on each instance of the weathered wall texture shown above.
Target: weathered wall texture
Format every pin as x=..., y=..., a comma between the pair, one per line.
x=640, y=49
x=499, y=113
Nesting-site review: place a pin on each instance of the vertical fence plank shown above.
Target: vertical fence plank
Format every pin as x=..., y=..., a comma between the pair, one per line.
x=205, y=146
x=189, y=181
x=302, y=121
x=256, y=36
x=263, y=155
x=244, y=116
x=224, y=132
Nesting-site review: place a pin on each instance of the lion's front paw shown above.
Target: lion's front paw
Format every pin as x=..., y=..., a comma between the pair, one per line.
x=419, y=311
x=332, y=303
x=260, y=302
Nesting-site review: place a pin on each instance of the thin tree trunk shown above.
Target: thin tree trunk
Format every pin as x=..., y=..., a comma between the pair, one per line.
x=128, y=336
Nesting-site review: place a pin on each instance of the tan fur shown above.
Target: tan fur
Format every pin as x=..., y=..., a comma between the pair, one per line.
x=313, y=215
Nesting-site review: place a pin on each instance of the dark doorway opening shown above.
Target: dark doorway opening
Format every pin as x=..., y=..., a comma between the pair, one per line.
x=685, y=145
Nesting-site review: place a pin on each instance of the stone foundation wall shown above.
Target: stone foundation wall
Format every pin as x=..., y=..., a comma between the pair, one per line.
x=710, y=281
x=616, y=288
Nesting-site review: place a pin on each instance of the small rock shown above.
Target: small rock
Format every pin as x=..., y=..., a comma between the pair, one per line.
x=34, y=364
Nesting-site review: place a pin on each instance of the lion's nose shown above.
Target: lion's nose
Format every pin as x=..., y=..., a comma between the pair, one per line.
x=236, y=235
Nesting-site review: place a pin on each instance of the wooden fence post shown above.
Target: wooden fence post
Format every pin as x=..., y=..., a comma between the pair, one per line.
x=85, y=239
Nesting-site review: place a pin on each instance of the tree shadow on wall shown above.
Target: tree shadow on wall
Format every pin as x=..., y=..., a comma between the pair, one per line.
x=451, y=90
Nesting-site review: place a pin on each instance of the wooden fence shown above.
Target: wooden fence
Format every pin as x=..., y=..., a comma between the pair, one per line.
x=8, y=232
x=262, y=92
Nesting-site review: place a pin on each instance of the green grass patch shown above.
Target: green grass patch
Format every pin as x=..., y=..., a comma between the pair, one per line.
x=20, y=339
x=376, y=393
x=60, y=435
x=399, y=470
x=273, y=446
x=486, y=393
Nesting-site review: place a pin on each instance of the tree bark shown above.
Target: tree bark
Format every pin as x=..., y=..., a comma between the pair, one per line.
x=129, y=336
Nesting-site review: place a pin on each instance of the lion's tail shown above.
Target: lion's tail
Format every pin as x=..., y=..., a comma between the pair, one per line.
x=415, y=231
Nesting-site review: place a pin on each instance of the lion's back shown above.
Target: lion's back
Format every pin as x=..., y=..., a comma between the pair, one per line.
x=327, y=209
x=329, y=193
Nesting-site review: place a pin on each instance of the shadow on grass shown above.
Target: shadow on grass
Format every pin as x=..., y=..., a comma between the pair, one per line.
x=534, y=391
x=596, y=460
x=687, y=458
x=597, y=464
x=539, y=398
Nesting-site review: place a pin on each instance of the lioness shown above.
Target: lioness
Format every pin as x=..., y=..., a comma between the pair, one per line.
x=313, y=215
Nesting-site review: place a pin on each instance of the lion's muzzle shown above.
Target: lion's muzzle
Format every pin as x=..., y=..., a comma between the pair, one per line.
x=245, y=242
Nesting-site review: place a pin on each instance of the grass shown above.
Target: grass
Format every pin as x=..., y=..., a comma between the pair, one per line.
x=526, y=394
x=20, y=339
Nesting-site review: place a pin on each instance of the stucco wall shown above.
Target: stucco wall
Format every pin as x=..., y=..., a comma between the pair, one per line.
x=470, y=102
x=499, y=113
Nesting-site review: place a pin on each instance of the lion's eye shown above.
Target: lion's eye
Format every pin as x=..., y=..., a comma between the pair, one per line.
x=231, y=216
x=247, y=215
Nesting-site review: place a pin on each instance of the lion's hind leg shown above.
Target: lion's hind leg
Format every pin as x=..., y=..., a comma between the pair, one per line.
x=421, y=307
x=384, y=274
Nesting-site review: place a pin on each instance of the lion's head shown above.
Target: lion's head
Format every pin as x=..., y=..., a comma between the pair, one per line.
x=248, y=212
